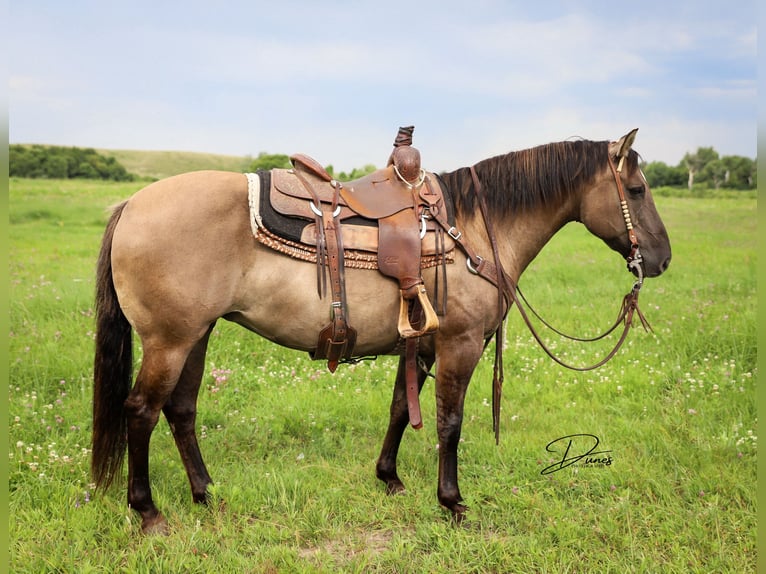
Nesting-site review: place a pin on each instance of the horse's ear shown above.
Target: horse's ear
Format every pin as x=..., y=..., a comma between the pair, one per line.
x=621, y=147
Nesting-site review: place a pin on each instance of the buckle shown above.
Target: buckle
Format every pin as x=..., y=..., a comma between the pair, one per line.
x=318, y=211
x=471, y=268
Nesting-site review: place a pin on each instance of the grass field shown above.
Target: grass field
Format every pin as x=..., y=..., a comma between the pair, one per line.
x=292, y=448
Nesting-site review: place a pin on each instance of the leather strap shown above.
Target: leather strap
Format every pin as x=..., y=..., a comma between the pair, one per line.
x=321, y=241
x=336, y=341
x=628, y=308
x=624, y=207
x=411, y=373
x=503, y=280
x=504, y=290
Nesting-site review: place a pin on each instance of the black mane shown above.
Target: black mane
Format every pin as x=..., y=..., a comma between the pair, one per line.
x=531, y=178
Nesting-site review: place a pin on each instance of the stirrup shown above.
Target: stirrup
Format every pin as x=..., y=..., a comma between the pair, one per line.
x=430, y=320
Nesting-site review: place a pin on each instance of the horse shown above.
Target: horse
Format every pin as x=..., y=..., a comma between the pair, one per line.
x=180, y=254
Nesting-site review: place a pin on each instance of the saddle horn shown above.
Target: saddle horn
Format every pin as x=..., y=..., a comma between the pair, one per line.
x=405, y=158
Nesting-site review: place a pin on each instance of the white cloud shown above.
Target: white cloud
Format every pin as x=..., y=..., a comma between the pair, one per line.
x=336, y=79
x=732, y=92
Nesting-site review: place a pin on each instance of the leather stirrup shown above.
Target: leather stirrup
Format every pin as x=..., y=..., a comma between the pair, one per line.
x=430, y=321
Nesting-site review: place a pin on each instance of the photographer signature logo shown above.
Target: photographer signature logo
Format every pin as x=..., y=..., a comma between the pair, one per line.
x=575, y=448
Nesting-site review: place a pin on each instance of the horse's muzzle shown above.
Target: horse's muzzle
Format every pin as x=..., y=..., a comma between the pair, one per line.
x=651, y=269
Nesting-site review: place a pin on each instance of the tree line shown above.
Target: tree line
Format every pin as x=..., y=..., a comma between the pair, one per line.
x=704, y=168
x=701, y=169
x=58, y=162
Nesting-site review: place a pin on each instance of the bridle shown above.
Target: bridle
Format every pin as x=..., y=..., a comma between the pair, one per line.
x=634, y=258
x=507, y=293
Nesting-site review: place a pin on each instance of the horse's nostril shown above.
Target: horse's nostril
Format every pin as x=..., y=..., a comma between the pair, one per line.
x=664, y=265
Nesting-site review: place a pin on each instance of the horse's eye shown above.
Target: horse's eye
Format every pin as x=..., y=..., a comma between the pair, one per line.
x=637, y=190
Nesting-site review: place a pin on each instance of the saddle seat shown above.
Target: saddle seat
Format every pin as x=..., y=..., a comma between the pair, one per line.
x=373, y=196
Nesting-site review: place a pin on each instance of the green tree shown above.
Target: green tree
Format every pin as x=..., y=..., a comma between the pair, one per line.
x=696, y=162
x=356, y=173
x=715, y=173
x=660, y=174
x=740, y=172
x=56, y=167
x=64, y=162
x=20, y=161
x=266, y=161
x=86, y=171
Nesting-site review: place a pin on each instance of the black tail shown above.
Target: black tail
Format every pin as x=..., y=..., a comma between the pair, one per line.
x=112, y=370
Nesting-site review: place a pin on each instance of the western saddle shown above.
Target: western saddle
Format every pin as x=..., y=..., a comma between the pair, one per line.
x=398, y=212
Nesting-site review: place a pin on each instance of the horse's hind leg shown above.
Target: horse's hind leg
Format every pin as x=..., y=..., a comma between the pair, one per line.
x=397, y=424
x=181, y=412
x=160, y=370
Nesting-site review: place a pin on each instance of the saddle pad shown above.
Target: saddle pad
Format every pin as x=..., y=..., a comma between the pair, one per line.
x=365, y=238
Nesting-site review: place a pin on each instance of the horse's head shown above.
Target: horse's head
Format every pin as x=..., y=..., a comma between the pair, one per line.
x=603, y=212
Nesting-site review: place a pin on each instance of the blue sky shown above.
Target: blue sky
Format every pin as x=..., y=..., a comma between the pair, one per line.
x=335, y=79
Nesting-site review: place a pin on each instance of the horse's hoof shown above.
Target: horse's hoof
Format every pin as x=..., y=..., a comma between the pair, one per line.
x=203, y=499
x=459, y=512
x=393, y=488
x=156, y=526
x=462, y=522
x=209, y=500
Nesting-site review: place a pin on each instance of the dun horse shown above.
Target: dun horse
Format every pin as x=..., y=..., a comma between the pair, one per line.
x=180, y=254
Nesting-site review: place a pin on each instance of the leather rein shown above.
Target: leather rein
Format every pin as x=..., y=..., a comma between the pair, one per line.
x=507, y=292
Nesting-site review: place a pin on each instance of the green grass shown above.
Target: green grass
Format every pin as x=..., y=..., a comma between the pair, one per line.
x=292, y=448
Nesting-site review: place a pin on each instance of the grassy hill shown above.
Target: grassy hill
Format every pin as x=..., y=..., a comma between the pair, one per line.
x=159, y=164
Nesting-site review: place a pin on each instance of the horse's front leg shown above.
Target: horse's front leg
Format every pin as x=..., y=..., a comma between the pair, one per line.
x=399, y=418
x=455, y=364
